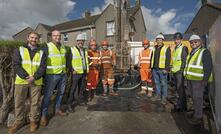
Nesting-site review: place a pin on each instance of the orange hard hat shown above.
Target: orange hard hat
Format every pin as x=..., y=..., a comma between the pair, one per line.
x=92, y=42
x=104, y=43
x=146, y=42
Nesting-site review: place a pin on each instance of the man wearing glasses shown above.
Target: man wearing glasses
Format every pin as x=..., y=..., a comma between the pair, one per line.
x=198, y=73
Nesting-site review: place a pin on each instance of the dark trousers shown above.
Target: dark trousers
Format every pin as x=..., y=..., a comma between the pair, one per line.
x=196, y=89
x=179, y=85
x=77, y=88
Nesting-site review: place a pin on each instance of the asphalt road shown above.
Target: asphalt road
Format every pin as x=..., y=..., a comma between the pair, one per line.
x=127, y=113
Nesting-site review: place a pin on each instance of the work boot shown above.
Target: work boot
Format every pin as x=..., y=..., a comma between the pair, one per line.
x=60, y=113
x=164, y=101
x=195, y=121
x=70, y=109
x=33, y=127
x=15, y=128
x=104, y=90
x=149, y=94
x=156, y=98
x=44, y=121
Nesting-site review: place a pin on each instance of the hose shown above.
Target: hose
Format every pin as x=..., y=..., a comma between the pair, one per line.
x=129, y=88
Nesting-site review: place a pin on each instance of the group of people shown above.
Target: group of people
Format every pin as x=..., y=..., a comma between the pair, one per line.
x=195, y=67
x=36, y=66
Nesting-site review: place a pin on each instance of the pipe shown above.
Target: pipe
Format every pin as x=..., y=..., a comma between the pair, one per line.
x=129, y=88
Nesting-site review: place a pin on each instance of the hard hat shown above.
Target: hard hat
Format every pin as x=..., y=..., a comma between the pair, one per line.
x=194, y=37
x=92, y=42
x=178, y=35
x=146, y=42
x=81, y=37
x=159, y=36
x=104, y=43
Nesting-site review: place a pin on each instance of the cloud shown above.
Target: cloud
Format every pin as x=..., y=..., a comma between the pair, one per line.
x=15, y=17
x=98, y=10
x=198, y=5
x=168, y=22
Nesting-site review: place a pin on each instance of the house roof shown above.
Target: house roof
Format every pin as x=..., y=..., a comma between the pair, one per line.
x=204, y=18
x=27, y=28
x=76, y=23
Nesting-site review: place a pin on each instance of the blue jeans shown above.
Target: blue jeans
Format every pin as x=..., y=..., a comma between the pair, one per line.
x=53, y=81
x=160, y=80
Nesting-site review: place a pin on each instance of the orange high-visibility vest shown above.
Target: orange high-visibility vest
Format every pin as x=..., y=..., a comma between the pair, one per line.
x=94, y=57
x=145, y=58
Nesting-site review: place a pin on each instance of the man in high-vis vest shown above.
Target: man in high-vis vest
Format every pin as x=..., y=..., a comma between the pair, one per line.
x=145, y=69
x=29, y=64
x=55, y=77
x=94, y=68
x=198, y=73
x=178, y=64
x=160, y=64
x=108, y=62
x=79, y=68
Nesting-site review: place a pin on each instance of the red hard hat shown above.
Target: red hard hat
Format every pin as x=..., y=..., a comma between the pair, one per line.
x=92, y=42
x=146, y=42
x=104, y=43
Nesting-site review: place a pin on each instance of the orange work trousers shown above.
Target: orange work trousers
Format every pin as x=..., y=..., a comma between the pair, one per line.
x=92, y=79
x=108, y=76
x=146, y=75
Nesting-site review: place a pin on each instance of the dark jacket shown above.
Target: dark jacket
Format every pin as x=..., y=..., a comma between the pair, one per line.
x=157, y=58
x=19, y=70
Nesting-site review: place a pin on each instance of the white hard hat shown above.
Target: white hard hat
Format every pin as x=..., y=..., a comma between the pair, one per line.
x=194, y=37
x=80, y=37
x=159, y=36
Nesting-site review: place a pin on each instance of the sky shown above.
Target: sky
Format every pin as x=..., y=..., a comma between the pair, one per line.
x=166, y=16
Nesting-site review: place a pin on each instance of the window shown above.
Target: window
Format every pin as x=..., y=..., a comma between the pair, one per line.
x=110, y=28
x=65, y=37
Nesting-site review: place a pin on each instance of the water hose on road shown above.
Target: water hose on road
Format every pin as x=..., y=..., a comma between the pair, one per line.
x=129, y=88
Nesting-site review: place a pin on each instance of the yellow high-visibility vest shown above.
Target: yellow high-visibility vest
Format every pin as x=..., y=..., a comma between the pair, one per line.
x=194, y=66
x=177, y=59
x=30, y=66
x=77, y=62
x=56, y=61
x=162, y=59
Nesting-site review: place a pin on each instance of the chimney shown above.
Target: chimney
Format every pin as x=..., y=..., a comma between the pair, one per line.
x=87, y=14
x=138, y=3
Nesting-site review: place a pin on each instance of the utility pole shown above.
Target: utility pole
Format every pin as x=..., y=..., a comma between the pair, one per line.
x=119, y=22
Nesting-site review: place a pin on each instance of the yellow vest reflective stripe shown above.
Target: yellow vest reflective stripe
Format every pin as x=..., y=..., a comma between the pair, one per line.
x=194, y=66
x=56, y=61
x=30, y=66
x=177, y=61
x=77, y=62
x=162, y=59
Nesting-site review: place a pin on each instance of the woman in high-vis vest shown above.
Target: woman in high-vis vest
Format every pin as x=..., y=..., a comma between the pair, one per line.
x=79, y=69
x=160, y=64
x=145, y=69
x=55, y=77
x=198, y=73
x=29, y=64
x=178, y=64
